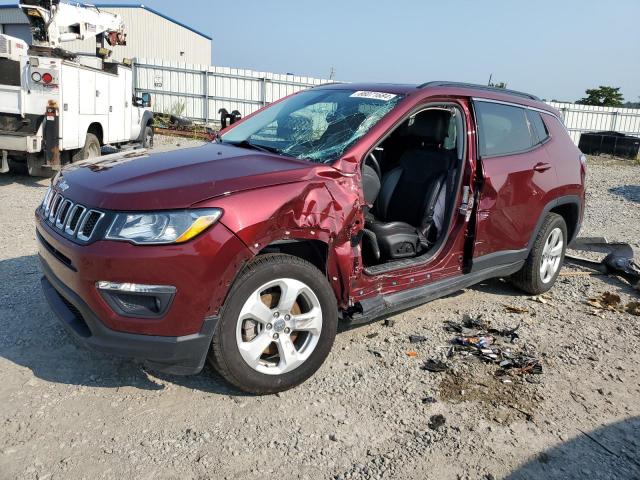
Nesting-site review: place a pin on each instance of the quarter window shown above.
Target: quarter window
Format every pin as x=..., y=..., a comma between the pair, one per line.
x=540, y=129
x=503, y=129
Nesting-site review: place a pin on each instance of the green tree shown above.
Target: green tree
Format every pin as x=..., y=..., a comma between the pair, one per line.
x=603, y=96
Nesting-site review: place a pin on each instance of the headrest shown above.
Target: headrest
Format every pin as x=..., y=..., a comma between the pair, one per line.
x=431, y=125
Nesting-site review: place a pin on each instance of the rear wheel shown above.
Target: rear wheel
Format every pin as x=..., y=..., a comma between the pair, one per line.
x=35, y=166
x=543, y=264
x=277, y=326
x=91, y=149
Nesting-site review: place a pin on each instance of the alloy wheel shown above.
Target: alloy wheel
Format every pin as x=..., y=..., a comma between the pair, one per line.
x=279, y=326
x=551, y=255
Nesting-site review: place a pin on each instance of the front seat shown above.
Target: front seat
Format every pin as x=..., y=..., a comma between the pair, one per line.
x=403, y=225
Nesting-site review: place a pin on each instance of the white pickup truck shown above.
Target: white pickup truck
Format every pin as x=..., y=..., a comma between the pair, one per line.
x=56, y=108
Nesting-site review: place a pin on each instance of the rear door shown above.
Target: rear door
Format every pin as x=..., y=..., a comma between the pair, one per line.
x=517, y=178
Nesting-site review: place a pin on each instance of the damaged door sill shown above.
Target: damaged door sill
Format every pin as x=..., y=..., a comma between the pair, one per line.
x=385, y=305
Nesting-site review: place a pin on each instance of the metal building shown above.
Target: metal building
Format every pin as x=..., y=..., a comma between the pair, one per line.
x=150, y=34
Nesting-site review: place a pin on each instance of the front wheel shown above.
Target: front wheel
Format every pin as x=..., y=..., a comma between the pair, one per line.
x=543, y=264
x=147, y=138
x=277, y=325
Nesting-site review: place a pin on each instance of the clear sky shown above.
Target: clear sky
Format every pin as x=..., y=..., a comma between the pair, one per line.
x=552, y=48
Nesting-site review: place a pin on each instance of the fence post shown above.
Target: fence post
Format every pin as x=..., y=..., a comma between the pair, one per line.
x=614, y=121
x=263, y=96
x=206, y=97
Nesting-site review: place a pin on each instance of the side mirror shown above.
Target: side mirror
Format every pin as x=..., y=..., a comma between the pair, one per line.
x=146, y=99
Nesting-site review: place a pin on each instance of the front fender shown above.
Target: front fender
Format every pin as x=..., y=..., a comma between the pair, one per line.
x=299, y=211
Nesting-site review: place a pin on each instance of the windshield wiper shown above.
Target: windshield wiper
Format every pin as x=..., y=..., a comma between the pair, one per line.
x=254, y=146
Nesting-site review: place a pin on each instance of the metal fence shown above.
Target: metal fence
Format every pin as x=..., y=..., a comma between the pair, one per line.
x=199, y=92
x=581, y=119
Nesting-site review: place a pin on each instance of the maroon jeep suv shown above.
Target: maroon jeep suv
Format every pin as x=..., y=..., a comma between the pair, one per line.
x=342, y=203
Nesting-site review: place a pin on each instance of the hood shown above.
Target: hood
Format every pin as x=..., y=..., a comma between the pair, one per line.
x=176, y=179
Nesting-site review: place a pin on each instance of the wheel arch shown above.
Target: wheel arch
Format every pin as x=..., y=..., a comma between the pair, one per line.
x=146, y=121
x=314, y=251
x=96, y=129
x=569, y=208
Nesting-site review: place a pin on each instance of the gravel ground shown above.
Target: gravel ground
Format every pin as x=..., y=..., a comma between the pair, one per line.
x=369, y=412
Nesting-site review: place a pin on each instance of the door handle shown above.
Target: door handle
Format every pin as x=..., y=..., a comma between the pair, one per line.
x=541, y=167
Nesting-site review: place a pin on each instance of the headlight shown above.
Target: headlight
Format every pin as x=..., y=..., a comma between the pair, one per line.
x=162, y=227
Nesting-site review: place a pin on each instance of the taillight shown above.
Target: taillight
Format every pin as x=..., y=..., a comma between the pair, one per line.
x=47, y=78
x=583, y=166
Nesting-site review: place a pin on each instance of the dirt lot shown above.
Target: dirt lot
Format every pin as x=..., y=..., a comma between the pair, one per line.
x=369, y=412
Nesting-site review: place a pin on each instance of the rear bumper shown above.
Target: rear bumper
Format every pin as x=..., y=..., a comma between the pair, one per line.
x=20, y=143
x=183, y=355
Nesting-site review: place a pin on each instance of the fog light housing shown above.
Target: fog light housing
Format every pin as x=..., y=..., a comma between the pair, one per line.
x=137, y=300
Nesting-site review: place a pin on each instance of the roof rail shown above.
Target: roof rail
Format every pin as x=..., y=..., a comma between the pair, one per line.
x=479, y=87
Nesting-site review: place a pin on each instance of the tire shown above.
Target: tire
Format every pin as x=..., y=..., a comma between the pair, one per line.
x=91, y=149
x=534, y=278
x=18, y=167
x=35, y=166
x=147, y=138
x=260, y=368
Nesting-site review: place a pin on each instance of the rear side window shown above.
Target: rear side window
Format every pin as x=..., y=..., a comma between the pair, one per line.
x=539, y=128
x=503, y=129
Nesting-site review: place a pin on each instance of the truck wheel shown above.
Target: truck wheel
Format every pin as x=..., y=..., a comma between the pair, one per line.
x=543, y=264
x=35, y=166
x=277, y=325
x=147, y=139
x=91, y=149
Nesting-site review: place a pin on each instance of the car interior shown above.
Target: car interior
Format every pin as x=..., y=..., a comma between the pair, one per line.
x=410, y=181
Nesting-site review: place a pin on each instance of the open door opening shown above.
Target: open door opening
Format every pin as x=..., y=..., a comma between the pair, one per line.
x=411, y=181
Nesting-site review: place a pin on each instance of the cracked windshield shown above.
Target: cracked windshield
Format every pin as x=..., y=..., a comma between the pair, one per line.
x=316, y=125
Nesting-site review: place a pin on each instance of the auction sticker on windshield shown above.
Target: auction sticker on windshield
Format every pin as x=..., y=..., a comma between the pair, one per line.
x=385, y=97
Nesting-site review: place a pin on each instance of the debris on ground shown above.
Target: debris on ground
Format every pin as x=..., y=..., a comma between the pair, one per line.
x=436, y=421
x=412, y=353
x=417, y=338
x=477, y=338
x=372, y=335
x=513, y=309
x=434, y=365
x=633, y=308
x=618, y=261
x=606, y=301
x=544, y=299
x=375, y=353
x=389, y=322
x=612, y=302
x=429, y=400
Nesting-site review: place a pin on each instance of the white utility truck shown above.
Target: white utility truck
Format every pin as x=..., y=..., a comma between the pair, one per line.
x=58, y=107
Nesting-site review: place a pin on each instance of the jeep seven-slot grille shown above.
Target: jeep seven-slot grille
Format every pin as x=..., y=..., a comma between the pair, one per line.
x=71, y=218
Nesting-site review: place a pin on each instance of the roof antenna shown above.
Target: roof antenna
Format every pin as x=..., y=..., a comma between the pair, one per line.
x=332, y=74
x=490, y=77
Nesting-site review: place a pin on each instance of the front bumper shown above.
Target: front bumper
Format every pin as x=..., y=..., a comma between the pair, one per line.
x=184, y=355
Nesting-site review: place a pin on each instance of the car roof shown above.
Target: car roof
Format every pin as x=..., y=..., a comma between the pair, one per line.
x=447, y=88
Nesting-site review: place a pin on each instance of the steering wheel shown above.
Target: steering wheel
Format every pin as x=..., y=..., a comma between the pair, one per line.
x=371, y=158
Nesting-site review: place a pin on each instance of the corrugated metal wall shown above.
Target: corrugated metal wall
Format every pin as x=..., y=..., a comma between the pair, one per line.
x=12, y=15
x=587, y=118
x=200, y=91
x=148, y=36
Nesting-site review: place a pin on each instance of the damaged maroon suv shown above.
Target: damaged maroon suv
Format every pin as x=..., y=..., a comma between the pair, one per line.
x=339, y=204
